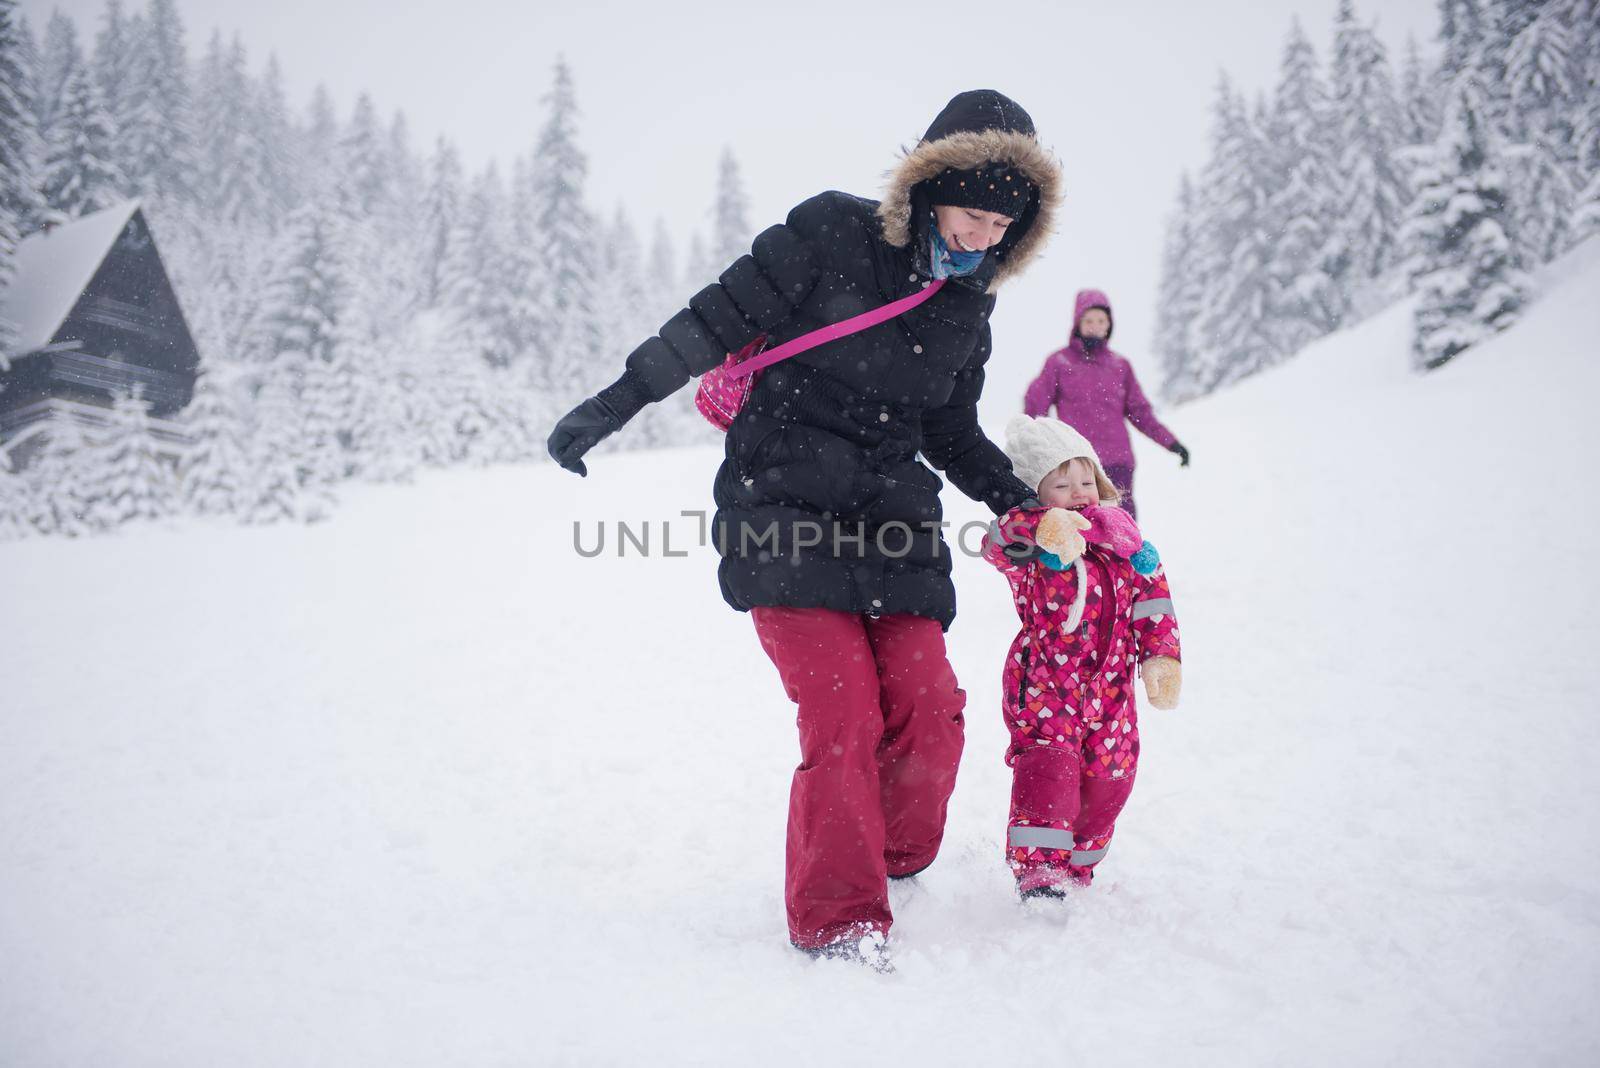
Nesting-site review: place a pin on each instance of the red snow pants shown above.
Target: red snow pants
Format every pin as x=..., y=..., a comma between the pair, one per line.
x=880, y=718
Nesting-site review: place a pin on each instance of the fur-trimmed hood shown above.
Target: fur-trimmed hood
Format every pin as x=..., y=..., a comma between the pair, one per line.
x=974, y=128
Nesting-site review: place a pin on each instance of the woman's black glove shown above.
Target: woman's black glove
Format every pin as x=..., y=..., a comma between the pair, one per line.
x=581, y=430
x=595, y=419
x=1183, y=453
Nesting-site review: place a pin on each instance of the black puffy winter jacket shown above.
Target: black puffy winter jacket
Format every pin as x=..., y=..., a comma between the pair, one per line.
x=821, y=499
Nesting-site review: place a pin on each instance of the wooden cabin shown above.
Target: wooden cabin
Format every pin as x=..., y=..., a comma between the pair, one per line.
x=95, y=316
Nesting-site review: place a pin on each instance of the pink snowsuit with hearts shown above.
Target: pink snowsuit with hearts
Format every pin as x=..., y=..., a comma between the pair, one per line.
x=1068, y=691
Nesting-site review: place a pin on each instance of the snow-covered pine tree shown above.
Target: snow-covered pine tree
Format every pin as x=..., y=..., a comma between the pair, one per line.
x=384, y=429
x=30, y=207
x=18, y=149
x=441, y=224
x=1541, y=78
x=661, y=281
x=115, y=74
x=1585, y=212
x=1582, y=109
x=1502, y=20
x=363, y=181
x=481, y=397
x=369, y=185
x=521, y=294
x=134, y=110
x=379, y=337
x=699, y=271
x=373, y=236
x=1463, y=27
x=410, y=397
x=214, y=471
x=478, y=275
x=161, y=146
x=1209, y=251
x=133, y=481
x=1584, y=118
x=397, y=407
x=1234, y=258
x=479, y=440
x=459, y=293
x=1301, y=208
x=319, y=141
x=458, y=435
x=1543, y=75
x=275, y=146
x=568, y=343
x=229, y=271
x=730, y=215
x=60, y=56
x=408, y=178
x=517, y=426
x=246, y=196
x=283, y=484
x=1370, y=130
x=1541, y=202
x=14, y=501
x=676, y=420
x=305, y=304
x=1418, y=105
x=229, y=168
x=1178, y=304
x=450, y=418
x=623, y=292
x=59, y=479
x=8, y=251
x=398, y=231
x=80, y=175
x=322, y=124
x=1469, y=282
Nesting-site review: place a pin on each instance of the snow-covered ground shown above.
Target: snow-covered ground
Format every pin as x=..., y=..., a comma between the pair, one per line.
x=421, y=785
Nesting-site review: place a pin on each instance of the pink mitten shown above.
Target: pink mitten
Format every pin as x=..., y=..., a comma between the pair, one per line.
x=1111, y=526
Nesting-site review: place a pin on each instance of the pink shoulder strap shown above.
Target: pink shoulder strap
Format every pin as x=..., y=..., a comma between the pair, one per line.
x=833, y=332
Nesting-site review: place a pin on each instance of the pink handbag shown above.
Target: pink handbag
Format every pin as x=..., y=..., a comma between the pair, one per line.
x=724, y=389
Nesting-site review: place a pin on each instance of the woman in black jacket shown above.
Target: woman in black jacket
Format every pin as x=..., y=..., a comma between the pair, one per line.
x=828, y=526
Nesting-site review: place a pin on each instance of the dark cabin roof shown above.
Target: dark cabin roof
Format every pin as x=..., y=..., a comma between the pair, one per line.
x=53, y=268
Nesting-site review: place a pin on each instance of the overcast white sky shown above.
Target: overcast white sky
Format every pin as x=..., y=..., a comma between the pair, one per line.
x=813, y=96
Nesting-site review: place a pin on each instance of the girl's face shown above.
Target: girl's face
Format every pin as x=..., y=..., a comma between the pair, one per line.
x=970, y=229
x=1095, y=323
x=1071, y=485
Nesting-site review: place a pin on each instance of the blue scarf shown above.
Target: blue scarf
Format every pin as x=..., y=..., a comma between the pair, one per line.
x=945, y=261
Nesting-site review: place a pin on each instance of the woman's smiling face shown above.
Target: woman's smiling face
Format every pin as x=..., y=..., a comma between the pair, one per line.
x=970, y=229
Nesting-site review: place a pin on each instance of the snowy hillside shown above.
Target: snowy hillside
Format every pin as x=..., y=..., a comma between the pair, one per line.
x=422, y=785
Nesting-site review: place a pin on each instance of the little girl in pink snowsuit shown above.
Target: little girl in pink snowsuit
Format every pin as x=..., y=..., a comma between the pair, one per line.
x=1095, y=608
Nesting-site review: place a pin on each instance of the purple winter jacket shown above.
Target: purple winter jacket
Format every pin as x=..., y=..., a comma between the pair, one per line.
x=1096, y=394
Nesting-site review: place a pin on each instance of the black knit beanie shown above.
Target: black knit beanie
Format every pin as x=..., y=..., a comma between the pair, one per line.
x=991, y=186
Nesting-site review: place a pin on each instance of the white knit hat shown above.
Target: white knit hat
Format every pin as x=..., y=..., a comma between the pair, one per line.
x=1039, y=446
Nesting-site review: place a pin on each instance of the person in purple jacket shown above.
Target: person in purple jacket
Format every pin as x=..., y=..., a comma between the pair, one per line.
x=1094, y=390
